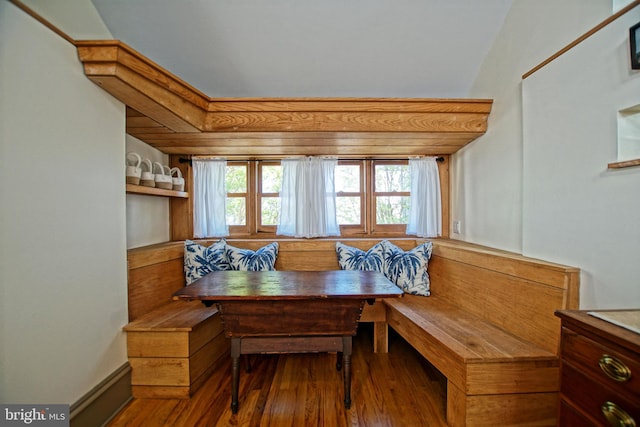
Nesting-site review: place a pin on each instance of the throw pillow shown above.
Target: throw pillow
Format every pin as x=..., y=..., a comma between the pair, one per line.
x=408, y=270
x=263, y=259
x=200, y=260
x=351, y=258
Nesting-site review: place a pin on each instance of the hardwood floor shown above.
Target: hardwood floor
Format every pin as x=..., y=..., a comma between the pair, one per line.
x=395, y=389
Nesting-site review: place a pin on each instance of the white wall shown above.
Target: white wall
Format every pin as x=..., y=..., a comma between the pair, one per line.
x=619, y=4
x=576, y=211
x=147, y=217
x=62, y=219
x=487, y=174
x=79, y=19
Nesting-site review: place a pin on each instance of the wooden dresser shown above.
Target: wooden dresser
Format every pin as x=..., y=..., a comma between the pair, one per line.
x=600, y=371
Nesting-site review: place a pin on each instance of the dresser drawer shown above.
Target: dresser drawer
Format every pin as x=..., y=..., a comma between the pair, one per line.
x=591, y=396
x=571, y=417
x=602, y=362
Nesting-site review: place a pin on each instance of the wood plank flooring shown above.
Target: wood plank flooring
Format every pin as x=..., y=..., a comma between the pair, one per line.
x=395, y=389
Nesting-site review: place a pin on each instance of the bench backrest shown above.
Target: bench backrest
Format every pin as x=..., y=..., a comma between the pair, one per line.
x=156, y=271
x=516, y=293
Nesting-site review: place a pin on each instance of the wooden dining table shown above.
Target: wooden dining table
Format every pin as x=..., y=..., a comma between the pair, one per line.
x=290, y=312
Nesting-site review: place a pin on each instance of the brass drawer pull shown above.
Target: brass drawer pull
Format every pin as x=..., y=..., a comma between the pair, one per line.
x=617, y=416
x=614, y=368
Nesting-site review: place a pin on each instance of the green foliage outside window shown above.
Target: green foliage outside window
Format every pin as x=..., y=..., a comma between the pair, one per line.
x=236, y=211
x=271, y=178
x=270, y=210
x=236, y=186
x=348, y=209
x=392, y=209
x=270, y=201
x=236, y=179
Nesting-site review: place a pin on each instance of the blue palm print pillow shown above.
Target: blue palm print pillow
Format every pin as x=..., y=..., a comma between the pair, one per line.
x=408, y=270
x=351, y=258
x=200, y=260
x=263, y=259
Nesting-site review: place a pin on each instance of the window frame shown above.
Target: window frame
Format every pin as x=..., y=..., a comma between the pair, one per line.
x=384, y=229
x=259, y=194
x=356, y=229
x=242, y=230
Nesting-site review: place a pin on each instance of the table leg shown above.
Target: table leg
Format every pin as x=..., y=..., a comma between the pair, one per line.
x=339, y=361
x=235, y=373
x=346, y=355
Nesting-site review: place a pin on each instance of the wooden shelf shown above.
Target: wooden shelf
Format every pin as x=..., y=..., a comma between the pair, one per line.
x=625, y=164
x=151, y=191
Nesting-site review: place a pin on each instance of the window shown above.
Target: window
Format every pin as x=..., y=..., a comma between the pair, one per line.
x=350, y=196
x=236, y=184
x=372, y=197
x=268, y=195
x=391, y=191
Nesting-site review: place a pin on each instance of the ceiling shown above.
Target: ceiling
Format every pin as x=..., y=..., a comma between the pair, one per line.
x=311, y=48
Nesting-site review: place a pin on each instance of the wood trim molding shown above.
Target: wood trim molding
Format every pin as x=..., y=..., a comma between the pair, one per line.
x=104, y=401
x=583, y=37
x=35, y=15
x=176, y=118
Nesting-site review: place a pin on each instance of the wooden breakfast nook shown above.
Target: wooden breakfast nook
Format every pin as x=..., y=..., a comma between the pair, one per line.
x=487, y=327
x=290, y=312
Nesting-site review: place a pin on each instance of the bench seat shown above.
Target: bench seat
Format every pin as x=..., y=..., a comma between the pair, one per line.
x=486, y=368
x=468, y=338
x=173, y=349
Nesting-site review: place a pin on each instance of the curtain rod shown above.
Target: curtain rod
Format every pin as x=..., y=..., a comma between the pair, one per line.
x=186, y=160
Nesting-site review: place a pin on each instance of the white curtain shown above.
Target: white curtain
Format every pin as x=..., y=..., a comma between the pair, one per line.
x=308, y=198
x=210, y=198
x=425, y=212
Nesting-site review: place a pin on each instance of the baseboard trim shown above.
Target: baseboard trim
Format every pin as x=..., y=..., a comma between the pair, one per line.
x=104, y=401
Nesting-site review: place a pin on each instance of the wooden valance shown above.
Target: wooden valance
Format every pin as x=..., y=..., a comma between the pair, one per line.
x=169, y=114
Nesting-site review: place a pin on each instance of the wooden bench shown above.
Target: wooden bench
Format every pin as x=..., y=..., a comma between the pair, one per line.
x=173, y=346
x=488, y=327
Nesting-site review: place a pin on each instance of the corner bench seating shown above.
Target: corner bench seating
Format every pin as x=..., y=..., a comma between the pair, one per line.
x=488, y=325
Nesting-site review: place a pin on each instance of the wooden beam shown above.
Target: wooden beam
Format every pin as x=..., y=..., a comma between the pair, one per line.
x=345, y=121
x=143, y=85
x=176, y=118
